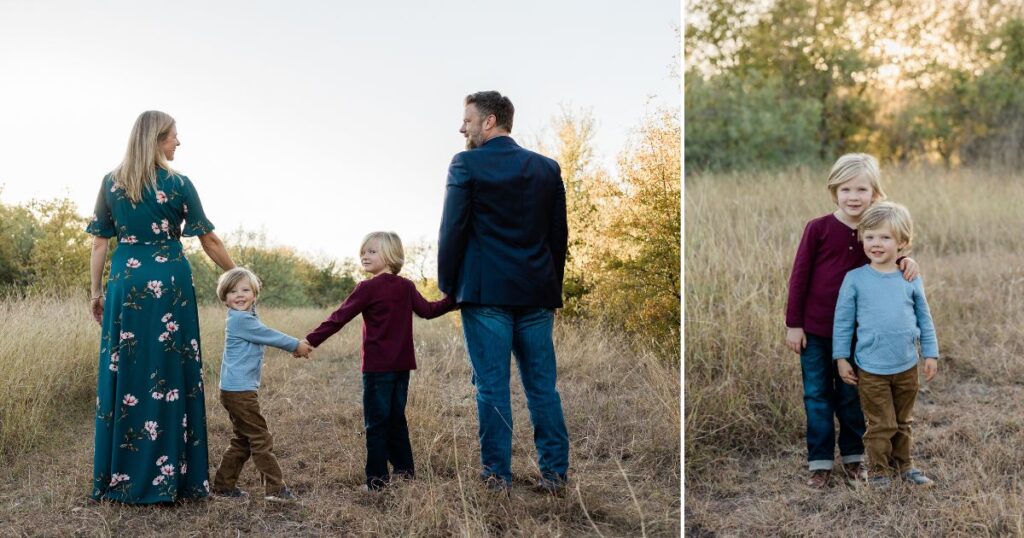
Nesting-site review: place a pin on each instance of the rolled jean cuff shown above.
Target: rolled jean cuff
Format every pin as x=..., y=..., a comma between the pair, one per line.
x=820, y=465
x=853, y=458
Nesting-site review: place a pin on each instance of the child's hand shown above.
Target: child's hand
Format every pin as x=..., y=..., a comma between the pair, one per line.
x=909, y=268
x=846, y=372
x=931, y=367
x=796, y=340
x=303, y=350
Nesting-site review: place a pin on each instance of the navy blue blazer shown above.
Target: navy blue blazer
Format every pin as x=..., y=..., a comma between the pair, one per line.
x=503, y=232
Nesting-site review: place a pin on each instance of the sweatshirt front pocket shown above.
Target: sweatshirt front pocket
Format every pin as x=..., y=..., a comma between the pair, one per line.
x=897, y=347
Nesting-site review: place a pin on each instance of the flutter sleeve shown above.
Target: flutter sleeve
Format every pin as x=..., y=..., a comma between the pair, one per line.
x=102, y=223
x=196, y=222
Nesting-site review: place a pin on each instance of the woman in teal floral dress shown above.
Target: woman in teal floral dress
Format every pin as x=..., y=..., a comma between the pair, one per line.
x=150, y=409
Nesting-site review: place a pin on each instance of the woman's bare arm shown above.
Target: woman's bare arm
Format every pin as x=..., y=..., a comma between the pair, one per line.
x=96, y=262
x=215, y=249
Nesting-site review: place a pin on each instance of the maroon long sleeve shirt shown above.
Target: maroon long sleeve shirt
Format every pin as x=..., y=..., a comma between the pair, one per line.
x=387, y=303
x=828, y=250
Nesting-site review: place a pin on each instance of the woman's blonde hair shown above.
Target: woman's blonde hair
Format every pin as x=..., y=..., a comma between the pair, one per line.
x=232, y=277
x=852, y=166
x=138, y=169
x=895, y=217
x=391, y=250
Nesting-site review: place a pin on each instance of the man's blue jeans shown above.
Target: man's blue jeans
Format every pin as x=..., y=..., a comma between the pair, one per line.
x=827, y=396
x=493, y=335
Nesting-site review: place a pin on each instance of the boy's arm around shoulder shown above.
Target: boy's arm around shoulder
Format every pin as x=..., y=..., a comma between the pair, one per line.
x=353, y=305
x=929, y=340
x=248, y=327
x=845, y=318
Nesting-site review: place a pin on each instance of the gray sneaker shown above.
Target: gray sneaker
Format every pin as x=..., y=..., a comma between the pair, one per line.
x=235, y=493
x=283, y=496
x=918, y=478
x=880, y=482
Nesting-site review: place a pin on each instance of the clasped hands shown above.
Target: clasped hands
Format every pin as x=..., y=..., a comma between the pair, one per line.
x=304, y=349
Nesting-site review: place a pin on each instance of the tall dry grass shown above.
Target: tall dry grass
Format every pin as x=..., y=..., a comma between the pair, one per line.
x=743, y=393
x=622, y=411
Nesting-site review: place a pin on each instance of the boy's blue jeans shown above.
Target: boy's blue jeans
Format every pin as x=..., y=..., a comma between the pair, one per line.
x=825, y=397
x=493, y=334
x=387, y=433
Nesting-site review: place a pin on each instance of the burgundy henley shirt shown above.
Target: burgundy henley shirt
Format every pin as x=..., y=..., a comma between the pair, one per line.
x=828, y=250
x=387, y=303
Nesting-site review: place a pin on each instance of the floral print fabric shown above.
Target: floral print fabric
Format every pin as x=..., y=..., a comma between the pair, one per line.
x=150, y=410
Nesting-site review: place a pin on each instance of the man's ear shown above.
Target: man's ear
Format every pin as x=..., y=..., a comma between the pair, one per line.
x=490, y=122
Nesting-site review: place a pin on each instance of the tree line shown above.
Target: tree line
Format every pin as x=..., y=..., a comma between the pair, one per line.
x=800, y=81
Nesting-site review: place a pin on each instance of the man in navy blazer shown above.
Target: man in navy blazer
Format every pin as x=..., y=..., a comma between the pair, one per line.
x=501, y=255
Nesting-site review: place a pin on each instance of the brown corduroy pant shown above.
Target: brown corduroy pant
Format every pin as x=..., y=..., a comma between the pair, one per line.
x=888, y=404
x=251, y=439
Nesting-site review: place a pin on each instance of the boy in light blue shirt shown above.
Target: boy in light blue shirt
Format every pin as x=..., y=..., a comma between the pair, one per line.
x=240, y=373
x=891, y=318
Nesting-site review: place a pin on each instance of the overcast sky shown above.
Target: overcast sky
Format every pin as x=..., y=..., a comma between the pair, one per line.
x=315, y=121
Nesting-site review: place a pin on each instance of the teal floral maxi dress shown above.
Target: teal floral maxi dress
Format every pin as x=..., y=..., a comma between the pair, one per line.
x=150, y=409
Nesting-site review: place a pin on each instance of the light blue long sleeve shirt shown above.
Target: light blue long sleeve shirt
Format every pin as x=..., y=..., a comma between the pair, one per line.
x=244, y=337
x=890, y=316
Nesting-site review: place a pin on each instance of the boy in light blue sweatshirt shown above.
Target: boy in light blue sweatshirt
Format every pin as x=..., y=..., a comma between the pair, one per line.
x=891, y=317
x=240, y=372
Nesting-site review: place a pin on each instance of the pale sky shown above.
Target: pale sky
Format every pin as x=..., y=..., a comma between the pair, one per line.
x=318, y=121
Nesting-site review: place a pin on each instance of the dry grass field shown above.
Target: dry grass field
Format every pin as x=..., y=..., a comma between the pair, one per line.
x=745, y=454
x=622, y=409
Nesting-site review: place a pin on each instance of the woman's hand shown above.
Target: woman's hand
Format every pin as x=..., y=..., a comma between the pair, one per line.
x=796, y=340
x=97, y=309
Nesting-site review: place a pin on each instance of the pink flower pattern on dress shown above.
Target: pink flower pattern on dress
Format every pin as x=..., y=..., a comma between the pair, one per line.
x=125, y=335
x=117, y=478
x=172, y=326
x=158, y=480
x=172, y=395
x=160, y=259
x=158, y=395
x=131, y=240
x=167, y=470
x=133, y=263
x=150, y=428
x=161, y=197
x=156, y=287
x=164, y=336
x=167, y=317
x=155, y=228
x=129, y=400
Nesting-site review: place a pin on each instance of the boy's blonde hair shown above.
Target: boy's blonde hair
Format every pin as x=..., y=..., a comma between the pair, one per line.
x=893, y=216
x=852, y=166
x=391, y=250
x=232, y=277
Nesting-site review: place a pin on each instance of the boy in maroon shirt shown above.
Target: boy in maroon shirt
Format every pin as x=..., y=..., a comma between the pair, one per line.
x=387, y=302
x=828, y=250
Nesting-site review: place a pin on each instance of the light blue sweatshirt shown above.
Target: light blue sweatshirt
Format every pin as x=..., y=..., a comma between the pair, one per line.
x=891, y=317
x=244, y=338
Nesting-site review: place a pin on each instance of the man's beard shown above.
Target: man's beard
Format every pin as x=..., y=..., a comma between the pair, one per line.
x=470, y=144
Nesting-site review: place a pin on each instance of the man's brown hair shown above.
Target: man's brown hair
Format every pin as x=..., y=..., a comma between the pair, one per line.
x=492, y=102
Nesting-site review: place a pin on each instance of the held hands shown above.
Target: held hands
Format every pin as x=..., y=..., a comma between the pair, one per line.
x=909, y=268
x=931, y=367
x=796, y=340
x=846, y=372
x=303, y=350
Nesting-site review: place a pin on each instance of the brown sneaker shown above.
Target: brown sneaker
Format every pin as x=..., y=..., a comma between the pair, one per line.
x=819, y=479
x=856, y=473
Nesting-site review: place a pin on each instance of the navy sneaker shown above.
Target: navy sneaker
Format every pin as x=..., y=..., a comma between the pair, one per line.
x=232, y=494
